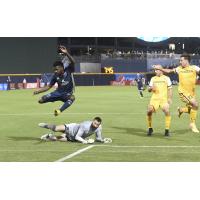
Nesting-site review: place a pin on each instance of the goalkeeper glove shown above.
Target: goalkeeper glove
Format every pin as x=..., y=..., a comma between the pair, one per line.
x=88, y=141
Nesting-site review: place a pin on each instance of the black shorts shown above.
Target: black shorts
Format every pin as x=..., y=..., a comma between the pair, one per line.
x=56, y=96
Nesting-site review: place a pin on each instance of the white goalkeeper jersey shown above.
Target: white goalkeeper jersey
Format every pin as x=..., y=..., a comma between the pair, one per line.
x=83, y=130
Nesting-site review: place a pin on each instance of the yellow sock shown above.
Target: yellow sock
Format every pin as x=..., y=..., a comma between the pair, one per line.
x=193, y=115
x=167, y=121
x=149, y=121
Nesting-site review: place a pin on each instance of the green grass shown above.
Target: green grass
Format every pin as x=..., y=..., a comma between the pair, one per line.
x=124, y=120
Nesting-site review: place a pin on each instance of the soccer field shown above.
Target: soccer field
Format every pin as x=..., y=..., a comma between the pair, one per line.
x=124, y=120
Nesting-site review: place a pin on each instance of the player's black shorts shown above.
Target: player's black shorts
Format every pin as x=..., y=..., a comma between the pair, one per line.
x=56, y=96
x=140, y=88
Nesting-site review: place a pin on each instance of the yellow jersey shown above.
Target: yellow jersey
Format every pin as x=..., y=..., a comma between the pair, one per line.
x=162, y=84
x=187, y=78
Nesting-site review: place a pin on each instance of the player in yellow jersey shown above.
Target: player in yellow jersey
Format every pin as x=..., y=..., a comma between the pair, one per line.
x=187, y=81
x=161, y=86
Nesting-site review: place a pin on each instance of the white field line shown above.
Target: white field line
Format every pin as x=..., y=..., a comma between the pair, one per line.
x=75, y=153
x=148, y=146
x=29, y=150
x=32, y=114
x=27, y=114
x=117, y=146
x=111, y=146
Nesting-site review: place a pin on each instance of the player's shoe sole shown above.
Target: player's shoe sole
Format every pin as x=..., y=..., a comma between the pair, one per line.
x=42, y=125
x=48, y=137
x=45, y=137
x=194, y=128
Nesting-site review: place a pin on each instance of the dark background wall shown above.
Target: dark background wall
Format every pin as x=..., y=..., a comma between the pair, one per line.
x=27, y=55
x=125, y=65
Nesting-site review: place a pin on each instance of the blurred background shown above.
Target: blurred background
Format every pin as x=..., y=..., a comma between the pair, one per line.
x=120, y=58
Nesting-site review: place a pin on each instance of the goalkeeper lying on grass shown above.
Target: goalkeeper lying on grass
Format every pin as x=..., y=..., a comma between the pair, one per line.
x=76, y=132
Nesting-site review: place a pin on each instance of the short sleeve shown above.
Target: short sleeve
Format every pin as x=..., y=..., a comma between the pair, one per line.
x=169, y=83
x=197, y=69
x=151, y=83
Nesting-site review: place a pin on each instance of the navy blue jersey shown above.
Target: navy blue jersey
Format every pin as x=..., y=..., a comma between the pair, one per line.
x=65, y=82
x=139, y=82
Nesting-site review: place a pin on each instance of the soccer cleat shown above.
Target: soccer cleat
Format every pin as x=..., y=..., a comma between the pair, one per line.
x=57, y=112
x=167, y=133
x=149, y=132
x=48, y=137
x=179, y=112
x=194, y=128
x=42, y=125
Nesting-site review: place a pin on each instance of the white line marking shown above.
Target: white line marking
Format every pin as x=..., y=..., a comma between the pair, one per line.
x=27, y=150
x=116, y=146
x=111, y=146
x=75, y=153
x=30, y=114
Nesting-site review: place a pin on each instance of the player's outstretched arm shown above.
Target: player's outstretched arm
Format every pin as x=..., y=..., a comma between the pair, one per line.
x=167, y=71
x=63, y=49
x=44, y=89
x=99, y=137
x=79, y=135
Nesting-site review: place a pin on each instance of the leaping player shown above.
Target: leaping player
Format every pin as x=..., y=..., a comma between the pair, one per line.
x=64, y=78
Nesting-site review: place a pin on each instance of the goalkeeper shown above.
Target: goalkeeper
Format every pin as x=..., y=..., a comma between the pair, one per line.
x=75, y=132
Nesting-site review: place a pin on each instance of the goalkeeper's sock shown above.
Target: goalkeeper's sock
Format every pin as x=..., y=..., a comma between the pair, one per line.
x=48, y=126
x=51, y=127
x=167, y=122
x=193, y=115
x=67, y=104
x=149, y=121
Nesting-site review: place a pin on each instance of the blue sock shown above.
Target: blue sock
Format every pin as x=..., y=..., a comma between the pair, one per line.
x=67, y=104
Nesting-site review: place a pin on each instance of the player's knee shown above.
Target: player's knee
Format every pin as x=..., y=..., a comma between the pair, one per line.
x=43, y=99
x=166, y=111
x=195, y=105
x=56, y=129
x=150, y=110
x=72, y=98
